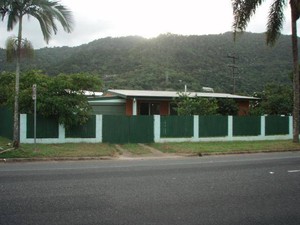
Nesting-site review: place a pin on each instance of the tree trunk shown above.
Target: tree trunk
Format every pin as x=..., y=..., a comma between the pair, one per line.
x=294, y=12
x=16, y=133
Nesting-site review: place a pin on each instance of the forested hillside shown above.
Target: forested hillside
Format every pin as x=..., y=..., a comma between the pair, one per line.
x=169, y=61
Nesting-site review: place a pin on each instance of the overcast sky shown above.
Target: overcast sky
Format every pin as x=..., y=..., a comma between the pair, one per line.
x=94, y=19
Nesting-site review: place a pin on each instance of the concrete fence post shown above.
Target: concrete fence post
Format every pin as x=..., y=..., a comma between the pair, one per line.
x=263, y=126
x=99, y=122
x=196, y=127
x=230, y=127
x=291, y=127
x=156, y=128
x=61, y=133
x=23, y=128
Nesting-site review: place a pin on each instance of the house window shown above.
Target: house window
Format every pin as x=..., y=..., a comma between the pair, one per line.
x=149, y=108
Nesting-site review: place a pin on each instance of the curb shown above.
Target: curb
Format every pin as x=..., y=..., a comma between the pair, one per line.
x=11, y=160
x=169, y=156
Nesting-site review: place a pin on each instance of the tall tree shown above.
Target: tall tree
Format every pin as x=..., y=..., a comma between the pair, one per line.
x=47, y=13
x=244, y=9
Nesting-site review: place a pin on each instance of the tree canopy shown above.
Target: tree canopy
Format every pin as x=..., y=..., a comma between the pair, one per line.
x=47, y=14
x=60, y=96
x=275, y=99
x=193, y=105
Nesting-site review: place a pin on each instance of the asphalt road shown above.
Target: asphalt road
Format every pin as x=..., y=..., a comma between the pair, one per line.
x=245, y=189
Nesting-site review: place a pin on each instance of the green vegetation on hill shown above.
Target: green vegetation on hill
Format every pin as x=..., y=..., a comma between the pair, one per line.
x=170, y=61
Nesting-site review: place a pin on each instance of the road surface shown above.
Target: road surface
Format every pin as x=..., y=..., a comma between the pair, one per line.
x=240, y=189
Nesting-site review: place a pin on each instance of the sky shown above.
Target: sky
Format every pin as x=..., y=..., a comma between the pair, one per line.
x=95, y=19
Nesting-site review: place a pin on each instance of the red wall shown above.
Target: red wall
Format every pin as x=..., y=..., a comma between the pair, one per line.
x=129, y=104
x=244, y=107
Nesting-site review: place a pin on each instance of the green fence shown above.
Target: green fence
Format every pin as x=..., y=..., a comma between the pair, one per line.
x=45, y=127
x=246, y=125
x=177, y=126
x=6, y=123
x=87, y=130
x=277, y=125
x=213, y=126
x=128, y=129
x=143, y=129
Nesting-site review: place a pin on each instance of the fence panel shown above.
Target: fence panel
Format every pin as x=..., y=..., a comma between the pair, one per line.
x=115, y=129
x=128, y=129
x=277, y=125
x=176, y=126
x=141, y=129
x=246, y=125
x=213, y=126
x=45, y=127
x=87, y=130
x=6, y=123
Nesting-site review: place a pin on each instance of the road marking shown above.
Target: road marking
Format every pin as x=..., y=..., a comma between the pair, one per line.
x=271, y=172
x=293, y=171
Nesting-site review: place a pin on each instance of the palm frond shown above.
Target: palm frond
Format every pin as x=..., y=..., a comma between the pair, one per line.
x=242, y=12
x=47, y=12
x=275, y=21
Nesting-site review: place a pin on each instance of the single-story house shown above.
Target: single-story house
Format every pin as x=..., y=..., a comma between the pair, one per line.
x=145, y=102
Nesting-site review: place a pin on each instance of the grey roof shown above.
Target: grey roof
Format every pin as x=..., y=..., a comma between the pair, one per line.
x=173, y=94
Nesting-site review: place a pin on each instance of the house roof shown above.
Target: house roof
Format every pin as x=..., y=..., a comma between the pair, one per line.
x=172, y=94
x=106, y=100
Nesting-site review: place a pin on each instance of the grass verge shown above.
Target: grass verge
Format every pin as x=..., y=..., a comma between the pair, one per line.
x=82, y=150
x=58, y=150
x=226, y=147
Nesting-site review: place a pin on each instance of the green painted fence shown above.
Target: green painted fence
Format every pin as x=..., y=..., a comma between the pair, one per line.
x=45, y=127
x=213, y=126
x=128, y=129
x=176, y=126
x=246, y=125
x=6, y=123
x=277, y=125
x=143, y=129
x=87, y=130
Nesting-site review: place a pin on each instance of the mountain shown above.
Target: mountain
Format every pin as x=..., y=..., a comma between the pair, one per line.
x=170, y=61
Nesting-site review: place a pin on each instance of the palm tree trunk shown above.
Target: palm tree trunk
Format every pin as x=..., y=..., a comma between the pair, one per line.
x=294, y=12
x=16, y=134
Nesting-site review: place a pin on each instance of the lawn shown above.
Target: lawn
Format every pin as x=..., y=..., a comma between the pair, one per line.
x=226, y=147
x=58, y=150
x=101, y=150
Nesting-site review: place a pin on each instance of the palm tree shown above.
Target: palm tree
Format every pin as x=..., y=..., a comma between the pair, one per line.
x=47, y=13
x=242, y=12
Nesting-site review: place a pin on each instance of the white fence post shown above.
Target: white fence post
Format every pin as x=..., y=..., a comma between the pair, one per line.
x=61, y=133
x=196, y=127
x=23, y=128
x=99, y=122
x=263, y=126
x=291, y=127
x=230, y=128
x=156, y=128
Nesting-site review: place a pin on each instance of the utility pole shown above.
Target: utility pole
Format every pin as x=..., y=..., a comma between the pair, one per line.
x=233, y=67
